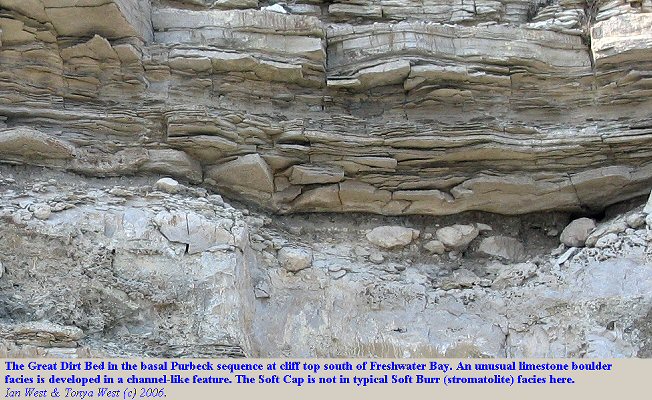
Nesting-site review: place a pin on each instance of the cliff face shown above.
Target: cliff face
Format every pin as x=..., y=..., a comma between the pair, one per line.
x=390, y=107
x=427, y=116
x=130, y=267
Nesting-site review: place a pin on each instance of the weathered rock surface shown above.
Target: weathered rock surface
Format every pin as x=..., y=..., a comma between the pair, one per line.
x=124, y=270
x=294, y=259
x=502, y=247
x=514, y=275
x=392, y=236
x=577, y=232
x=127, y=271
x=402, y=107
x=457, y=237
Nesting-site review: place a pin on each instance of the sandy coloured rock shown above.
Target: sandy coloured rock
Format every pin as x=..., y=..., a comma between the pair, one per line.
x=457, y=237
x=239, y=98
x=576, y=233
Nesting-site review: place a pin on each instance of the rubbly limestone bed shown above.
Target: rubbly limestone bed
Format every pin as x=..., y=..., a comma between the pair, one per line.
x=132, y=267
x=371, y=178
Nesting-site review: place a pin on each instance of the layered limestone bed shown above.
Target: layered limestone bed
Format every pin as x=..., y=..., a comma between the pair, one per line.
x=140, y=267
x=389, y=107
x=401, y=172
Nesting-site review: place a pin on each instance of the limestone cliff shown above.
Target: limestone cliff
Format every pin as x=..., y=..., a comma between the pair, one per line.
x=390, y=107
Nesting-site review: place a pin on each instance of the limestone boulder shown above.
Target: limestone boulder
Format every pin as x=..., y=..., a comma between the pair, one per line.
x=457, y=237
x=390, y=237
x=167, y=185
x=576, y=233
x=503, y=247
x=435, y=247
x=249, y=173
x=42, y=211
x=295, y=259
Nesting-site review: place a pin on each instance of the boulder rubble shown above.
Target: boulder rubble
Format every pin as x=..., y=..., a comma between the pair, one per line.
x=129, y=270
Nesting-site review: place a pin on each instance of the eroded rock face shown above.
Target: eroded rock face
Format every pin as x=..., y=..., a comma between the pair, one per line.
x=405, y=107
x=402, y=108
x=131, y=271
x=123, y=264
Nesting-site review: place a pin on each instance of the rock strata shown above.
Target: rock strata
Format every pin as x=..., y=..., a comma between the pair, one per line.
x=394, y=108
x=197, y=178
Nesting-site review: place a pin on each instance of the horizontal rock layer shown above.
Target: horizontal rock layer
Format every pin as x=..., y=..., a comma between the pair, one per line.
x=392, y=107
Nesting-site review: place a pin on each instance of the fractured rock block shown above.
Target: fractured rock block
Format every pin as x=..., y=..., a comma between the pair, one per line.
x=113, y=19
x=360, y=196
x=196, y=231
x=249, y=172
x=319, y=199
x=310, y=174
